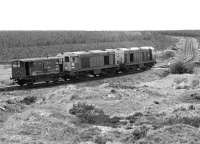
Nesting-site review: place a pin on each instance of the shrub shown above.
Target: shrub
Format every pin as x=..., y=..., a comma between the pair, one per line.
x=89, y=114
x=192, y=120
x=189, y=67
x=138, y=133
x=101, y=140
x=168, y=54
x=74, y=97
x=134, y=117
x=179, y=68
x=81, y=108
x=164, y=73
x=113, y=91
x=191, y=107
x=195, y=83
x=196, y=96
x=29, y=100
x=89, y=134
x=179, y=80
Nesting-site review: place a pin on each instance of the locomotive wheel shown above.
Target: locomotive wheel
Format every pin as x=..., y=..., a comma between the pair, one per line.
x=123, y=68
x=65, y=78
x=20, y=82
x=55, y=80
x=29, y=84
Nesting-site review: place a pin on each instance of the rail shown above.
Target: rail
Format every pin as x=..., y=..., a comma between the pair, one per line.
x=59, y=83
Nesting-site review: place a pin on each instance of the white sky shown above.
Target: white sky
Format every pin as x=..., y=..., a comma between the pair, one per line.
x=99, y=14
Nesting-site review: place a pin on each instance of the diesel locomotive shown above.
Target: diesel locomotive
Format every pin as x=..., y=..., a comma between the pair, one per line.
x=71, y=65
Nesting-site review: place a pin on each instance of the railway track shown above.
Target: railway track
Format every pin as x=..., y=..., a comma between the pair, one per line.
x=190, y=50
x=59, y=83
x=190, y=47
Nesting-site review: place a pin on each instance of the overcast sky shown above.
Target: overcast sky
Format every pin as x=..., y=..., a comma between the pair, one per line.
x=99, y=14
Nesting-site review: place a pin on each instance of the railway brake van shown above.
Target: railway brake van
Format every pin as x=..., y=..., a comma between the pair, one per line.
x=35, y=70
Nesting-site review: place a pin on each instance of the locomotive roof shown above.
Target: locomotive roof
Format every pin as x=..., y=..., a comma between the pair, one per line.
x=75, y=53
x=125, y=49
x=35, y=59
x=147, y=47
x=110, y=50
x=84, y=52
x=128, y=49
x=98, y=51
x=134, y=48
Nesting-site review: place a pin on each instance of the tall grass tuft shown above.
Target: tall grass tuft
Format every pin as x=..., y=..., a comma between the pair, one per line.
x=180, y=67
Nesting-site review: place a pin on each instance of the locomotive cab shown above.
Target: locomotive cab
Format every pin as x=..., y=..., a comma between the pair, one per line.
x=70, y=61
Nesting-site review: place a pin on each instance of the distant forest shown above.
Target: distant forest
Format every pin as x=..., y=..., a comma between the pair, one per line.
x=25, y=44
x=186, y=33
x=9, y=39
